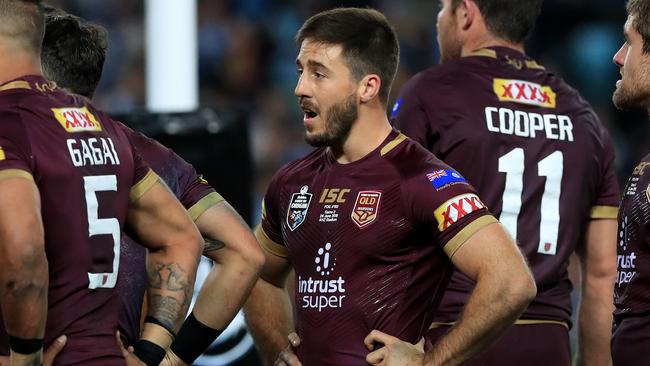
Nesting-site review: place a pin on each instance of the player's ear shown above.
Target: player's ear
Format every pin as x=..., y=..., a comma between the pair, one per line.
x=369, y=87
x=466, y=14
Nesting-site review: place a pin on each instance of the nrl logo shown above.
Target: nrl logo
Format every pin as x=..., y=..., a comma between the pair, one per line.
x=298, y=207
x=366, y=208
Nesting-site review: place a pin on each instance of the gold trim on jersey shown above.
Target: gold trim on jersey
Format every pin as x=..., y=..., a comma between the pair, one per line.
x=2, y=154
x=143, y=185
x=435, y=325
x=393, y=144
x=604, y=212
x=459, y=239
x=483, y=52
x=15, y=173
x=269, y=245
x=18, y=84
x=204, y=204
x=532, y=64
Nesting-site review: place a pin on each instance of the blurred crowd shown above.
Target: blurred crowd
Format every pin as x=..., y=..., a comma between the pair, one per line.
x=247, y=52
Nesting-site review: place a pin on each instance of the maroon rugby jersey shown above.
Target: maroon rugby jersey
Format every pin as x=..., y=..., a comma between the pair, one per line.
x=86, y=172
x=192, y=191
x=369, y=242
x=533, y=148
x=632, y=290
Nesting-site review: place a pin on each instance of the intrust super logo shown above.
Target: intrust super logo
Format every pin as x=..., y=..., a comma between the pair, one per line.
x=456, y=208
x=524, y=92
x=322, y=291
x=76, y=119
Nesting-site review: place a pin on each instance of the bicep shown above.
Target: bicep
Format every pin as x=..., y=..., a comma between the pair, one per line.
x=489, y=249
x=21, y=226
x=156, y=217
x=598, y=255
x=277, y=265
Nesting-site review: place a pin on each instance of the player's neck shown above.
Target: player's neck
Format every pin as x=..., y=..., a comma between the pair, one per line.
x=17, y=66
x=367, y=133
x=489, y=41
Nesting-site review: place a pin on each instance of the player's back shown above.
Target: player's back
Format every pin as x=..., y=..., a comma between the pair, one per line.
x=86, y=172
x=531, y=146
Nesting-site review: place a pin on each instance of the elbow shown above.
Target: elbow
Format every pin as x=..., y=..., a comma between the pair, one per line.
x=24, y=270
x=523, y=290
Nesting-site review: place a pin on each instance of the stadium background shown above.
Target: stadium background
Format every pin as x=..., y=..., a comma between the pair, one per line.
x=249, y=123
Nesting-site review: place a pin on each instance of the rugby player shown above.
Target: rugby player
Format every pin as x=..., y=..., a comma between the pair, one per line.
x=371, y=222
x=229, y=242
x=542, y=161
x=630, y=341
x=69, y=181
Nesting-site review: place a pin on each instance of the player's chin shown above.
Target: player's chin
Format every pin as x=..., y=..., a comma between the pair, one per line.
x=625, y=100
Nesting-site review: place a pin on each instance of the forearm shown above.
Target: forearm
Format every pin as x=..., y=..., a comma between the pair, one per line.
x=595, y=323
x=24, y=305
x=269, y=319
x=491, y=309
x=171, y=272
x=224, y=291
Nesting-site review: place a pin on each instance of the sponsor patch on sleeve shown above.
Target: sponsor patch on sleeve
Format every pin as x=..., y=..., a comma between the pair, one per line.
x=456, y=208
x=76, y=119
x=442, y=178
x=524, y=92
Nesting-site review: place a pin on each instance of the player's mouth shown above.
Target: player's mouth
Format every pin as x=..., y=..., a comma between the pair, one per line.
x=310, y=112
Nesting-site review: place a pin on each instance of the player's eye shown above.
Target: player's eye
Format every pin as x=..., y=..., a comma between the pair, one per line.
x=319, y=75
x=299, y=72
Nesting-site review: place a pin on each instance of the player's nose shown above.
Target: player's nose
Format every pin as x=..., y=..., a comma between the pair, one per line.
x=619, y=56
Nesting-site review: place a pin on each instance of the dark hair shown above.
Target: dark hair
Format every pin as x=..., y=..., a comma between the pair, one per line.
x=23, y=21
x=641, y=9
x=369, y=42
x=73, y=53
x=512, y=20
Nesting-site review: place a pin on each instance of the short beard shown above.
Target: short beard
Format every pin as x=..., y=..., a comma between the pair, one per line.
x=627, y=100
x=340, y=118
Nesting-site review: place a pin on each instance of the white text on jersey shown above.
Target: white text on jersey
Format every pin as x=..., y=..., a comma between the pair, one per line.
x=528, y=124
x=92, y=151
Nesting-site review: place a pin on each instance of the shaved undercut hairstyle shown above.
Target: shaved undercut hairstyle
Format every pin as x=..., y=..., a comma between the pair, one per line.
x=512, y=20
x=22, y=24
x=369, y=42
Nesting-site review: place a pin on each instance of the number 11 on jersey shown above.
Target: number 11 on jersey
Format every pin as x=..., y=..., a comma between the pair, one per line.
x=551, y=167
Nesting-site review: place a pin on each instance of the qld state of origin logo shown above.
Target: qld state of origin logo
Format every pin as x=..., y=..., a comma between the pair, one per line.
x=366, y=208
x=298, y=207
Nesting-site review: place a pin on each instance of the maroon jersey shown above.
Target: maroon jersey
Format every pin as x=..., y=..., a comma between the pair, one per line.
x=192, y=191
x=86, y=172
x=533, y=148
x=632, y=290
x=367, y=241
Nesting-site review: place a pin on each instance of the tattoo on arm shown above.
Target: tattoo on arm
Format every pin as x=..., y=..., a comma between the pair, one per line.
x=169, y=293
x=212, y=245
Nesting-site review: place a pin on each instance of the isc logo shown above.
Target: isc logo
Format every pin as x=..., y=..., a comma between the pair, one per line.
x=76, y=119
x=333, y=195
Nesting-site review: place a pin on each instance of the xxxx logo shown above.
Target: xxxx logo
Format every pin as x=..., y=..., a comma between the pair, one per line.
x=524, y=92
x=456, y=208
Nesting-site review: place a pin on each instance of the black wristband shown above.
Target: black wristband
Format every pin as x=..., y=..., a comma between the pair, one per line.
x=148, y=352
x=193, y=339
x=151, y=319
x=25, y=346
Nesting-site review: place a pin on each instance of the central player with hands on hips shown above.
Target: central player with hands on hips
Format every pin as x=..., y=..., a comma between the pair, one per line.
x=372, y=223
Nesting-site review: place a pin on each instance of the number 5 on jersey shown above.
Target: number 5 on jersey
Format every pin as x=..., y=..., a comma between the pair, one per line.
x=97, y=226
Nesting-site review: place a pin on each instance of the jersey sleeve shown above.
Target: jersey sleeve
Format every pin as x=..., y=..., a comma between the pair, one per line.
x=143, y=177
x=15, y=149
x=269, y=232
x=196, y=194
x=442, y=200
x=607, y=195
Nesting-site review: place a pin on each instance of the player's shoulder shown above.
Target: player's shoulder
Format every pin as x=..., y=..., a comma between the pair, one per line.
x=408, y=158
x=300, y=167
